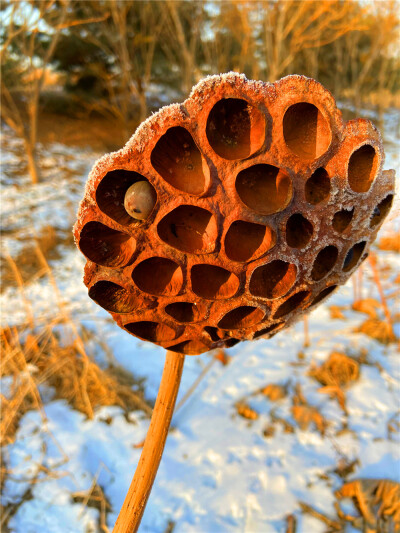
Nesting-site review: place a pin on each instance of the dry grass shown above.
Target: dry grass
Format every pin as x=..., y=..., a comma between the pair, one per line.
x=95, y=498
x=335, y=374
x=377, y=502
x=380, y=330
x=42, y=359
x=37, y=359
x=305, y=414
x=376, y=507
x=33, y=356
x=27, y=262
x=338, y=369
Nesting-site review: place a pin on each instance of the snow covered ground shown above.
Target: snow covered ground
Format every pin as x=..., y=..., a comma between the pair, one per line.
x=220, y=472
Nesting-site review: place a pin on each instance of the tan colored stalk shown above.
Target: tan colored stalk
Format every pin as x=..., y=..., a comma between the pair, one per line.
x=139, y=491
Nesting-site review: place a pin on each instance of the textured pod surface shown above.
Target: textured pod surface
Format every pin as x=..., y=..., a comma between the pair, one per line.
x=265, y=202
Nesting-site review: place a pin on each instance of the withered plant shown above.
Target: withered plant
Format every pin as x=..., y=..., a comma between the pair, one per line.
x=227, y=218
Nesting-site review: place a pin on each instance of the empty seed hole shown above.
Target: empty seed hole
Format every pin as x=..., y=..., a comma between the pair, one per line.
x=235, y=129
x=151, y=331
x=231, y=342
x=264, y=188
x=112, y=297
x=178, y=160
x=353, y=256
x=381, y=211
x=106, y=246
x=245, y=240
x=362, y=168
x=323, y=294
x=190, y=347
x=215, y=333
x=189, y=229
x=213, y=282
x=342, y=219
x=324, y=262
x=185, y=311
x=298, y=231
x=110, y=194
x=267, y=330
x=318, y=187
x=306, y=132
x=273, y=280
x=291, y=304
x=241, y=317
x=159, y=276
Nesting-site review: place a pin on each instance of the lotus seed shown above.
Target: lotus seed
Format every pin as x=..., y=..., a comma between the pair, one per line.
x=139, y=200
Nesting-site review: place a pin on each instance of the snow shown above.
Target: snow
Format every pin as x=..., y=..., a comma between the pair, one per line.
x=219, y=473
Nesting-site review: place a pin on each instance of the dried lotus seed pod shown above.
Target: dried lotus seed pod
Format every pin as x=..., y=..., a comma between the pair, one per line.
x=227, y=217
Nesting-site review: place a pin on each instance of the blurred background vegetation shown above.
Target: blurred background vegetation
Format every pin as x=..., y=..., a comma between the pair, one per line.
x=80, y=71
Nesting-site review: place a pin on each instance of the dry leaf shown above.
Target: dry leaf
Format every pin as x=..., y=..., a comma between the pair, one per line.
x=274, y=392
x=390, y=243
x=223, y=357
x=244, y=410
x=368, y=306
x=336, y=312
x=379, y=330
x=306, y=415
x=269, y=431
x=338, y=370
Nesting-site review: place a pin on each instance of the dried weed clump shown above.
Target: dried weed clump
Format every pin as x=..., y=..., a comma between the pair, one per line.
x=34, y=356
x=43, y=360
x=335, y=374
x=305, y=414
x=27, y=261
x=337, y=370
x=369, y=306
x=380, y=330
x=377, y=502
x=376, y=507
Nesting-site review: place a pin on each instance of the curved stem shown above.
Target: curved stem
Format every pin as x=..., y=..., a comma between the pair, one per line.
x=139, y=491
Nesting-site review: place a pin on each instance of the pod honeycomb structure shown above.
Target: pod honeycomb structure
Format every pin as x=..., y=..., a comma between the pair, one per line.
x=265, y=202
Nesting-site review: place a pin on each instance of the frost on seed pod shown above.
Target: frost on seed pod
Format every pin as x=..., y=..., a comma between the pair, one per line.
x=228, y=217
x=139, y=200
